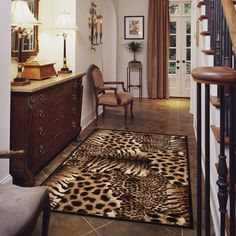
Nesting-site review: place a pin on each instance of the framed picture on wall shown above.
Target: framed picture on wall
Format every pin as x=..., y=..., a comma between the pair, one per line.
x=134, y=27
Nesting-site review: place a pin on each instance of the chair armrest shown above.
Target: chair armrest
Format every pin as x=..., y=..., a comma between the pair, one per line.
x=116, y=82
x=103, y=89
x=11, y=154
x=18, y=167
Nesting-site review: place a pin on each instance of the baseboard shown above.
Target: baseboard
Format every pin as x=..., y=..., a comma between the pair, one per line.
x=6, y=180
x=89, y=119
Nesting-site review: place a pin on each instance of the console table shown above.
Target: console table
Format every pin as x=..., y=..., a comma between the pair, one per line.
x=45, y=117
x=130, y=68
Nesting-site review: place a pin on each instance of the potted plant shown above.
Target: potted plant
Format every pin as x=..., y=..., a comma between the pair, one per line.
x=135, y=48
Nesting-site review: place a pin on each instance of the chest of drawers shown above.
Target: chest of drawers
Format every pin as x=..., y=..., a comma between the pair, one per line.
x=45, y=117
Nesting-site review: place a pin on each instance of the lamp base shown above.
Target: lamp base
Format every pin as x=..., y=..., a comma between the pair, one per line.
x=64, y=71
x=20, y=82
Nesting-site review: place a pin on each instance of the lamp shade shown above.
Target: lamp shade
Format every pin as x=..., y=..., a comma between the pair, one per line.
x=21, y=14
x=64, y=23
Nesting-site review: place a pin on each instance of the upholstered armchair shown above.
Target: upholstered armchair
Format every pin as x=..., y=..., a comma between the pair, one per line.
x=107, y=93
x=21, y=206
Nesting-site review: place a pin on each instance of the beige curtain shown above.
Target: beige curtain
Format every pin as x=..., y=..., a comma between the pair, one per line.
x=158, y=49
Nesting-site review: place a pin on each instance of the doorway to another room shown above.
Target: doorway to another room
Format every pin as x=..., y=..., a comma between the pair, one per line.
x=180, y=48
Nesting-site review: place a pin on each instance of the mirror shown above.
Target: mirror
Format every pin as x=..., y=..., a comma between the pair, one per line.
x=29, y=43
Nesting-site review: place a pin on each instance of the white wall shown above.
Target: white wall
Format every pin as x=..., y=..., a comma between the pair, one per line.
x=131, y=8
x=79, y=53
x=109, y=42
x=84, y=56
x=5, y=62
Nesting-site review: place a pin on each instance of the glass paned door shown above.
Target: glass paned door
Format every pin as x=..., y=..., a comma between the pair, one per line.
x=180, y=56
x=174, y=53
x=186, y=58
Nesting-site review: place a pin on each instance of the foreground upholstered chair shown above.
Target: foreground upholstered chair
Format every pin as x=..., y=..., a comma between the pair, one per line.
x=21, y=206
x=107, y=93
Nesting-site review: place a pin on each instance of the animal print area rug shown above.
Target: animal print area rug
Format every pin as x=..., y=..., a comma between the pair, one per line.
x=126, y=175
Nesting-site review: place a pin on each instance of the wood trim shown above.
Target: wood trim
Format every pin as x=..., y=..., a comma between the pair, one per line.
x=214, y=75
x=216, y=132
x=205, y=33
x=208, y=51
x=203, y=17
x=215, y=101
x=201, y=3
x=230, y=16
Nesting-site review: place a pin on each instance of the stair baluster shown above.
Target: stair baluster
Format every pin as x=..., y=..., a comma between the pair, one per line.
x=207, y=159
x=222, y=166
x=199, y=161
x=232, y=161
x=224, y=77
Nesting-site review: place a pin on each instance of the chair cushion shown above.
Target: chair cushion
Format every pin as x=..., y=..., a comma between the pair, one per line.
x=17, y=207
x=110, y=98
x=97, y=78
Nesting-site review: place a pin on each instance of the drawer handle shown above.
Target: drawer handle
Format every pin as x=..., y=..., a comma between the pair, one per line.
x=42, y=97
x=42, y=150
x=41, y=132
x=59, y=118
x=58, y=135
x=32, y=100
x=74, y=125
x=74, y=111
x=41, y=114
x=74, y=85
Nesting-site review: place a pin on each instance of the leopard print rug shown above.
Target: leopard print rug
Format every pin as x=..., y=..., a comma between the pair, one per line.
x=126, y=175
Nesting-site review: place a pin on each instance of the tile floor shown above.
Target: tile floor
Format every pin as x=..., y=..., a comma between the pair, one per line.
x=161, y=116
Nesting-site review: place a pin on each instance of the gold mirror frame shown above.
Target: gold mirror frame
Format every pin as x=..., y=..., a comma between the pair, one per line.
x=29, y=53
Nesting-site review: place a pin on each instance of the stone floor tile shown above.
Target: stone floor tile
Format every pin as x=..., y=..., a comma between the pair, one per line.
x=98, y=222
x=125, y=228
x=65, y=225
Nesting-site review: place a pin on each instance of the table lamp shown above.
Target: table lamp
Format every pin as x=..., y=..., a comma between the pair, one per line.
x=63, y=25
x=23, y=21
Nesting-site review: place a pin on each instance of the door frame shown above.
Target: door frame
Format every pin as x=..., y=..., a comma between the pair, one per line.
x=180, y=15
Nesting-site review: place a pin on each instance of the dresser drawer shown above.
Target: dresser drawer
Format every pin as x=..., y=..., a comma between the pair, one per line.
x=45, y=118
x=50, y=95
x=42, y=147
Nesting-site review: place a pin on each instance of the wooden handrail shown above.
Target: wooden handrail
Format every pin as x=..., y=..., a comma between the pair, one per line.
x=230, y=16
x=214, y=75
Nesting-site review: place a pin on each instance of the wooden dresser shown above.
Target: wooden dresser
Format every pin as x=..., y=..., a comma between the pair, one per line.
x=45, y=117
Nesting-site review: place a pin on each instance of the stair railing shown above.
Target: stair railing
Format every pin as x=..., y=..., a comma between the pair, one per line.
x=222, y=76
x=222, y=26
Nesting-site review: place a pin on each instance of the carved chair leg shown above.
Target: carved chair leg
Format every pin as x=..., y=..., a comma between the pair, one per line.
x=103, y=114
x=131, y=110
x=29, y=178
x=46, y=217
x=125, y=116
x=96, y=115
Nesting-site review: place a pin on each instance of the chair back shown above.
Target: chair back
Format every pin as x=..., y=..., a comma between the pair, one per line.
x=96, y=78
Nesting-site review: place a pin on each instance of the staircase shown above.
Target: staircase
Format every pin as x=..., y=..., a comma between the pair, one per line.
x=215, y=90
